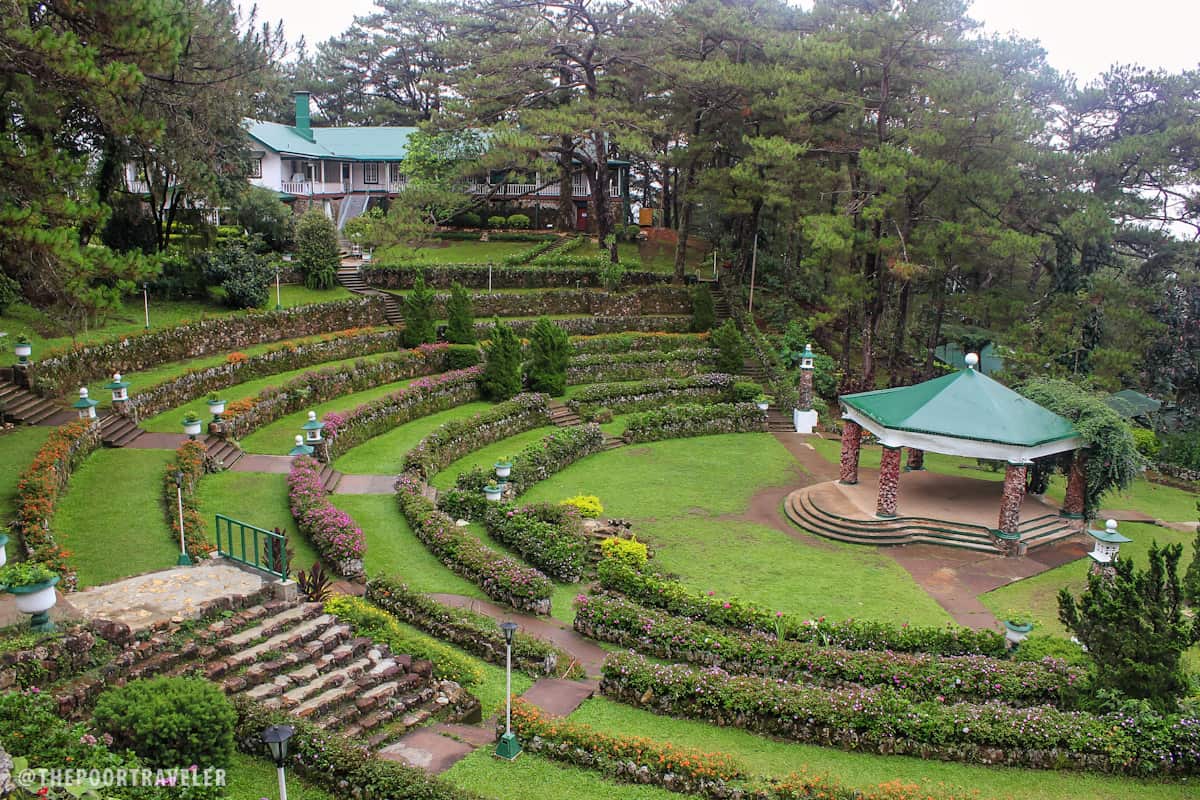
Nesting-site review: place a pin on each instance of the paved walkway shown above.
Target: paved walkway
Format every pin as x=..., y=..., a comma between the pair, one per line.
x=366, y=484
x=253, y=462
x=158, y=441
x=161, y=596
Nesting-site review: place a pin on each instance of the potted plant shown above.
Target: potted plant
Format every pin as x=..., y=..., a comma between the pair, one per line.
x=762, y=401
x=492, y=491
x=503, y=467
x=192, y=424
x=23, y=349
x=3, y=549
x=1017, y=625
x=32, y=586
x=216, y=406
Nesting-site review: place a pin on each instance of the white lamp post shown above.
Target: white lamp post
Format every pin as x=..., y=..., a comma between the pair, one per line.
x=509, y=748
x=278, y=296
x=85, y=405
x=183, y=560
x=276, y=739
x=312, y=429
x=301, y=449
x=146, y=302
x=23, y=349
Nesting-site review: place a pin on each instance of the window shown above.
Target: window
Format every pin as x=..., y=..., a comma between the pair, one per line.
x=256, y=168
x=370, y=172
x=397, y=175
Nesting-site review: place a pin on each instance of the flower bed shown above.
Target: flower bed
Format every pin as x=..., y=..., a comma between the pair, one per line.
x=343, y=766
x=318, y=386
x=37, y=494
x=339, y=541
x=659, y=592
x=477, y=276
x=64, y=369
x=284, y=358
x=887, y=721
x=419, y=399
x=630, y=342
x=501, y=577
x=525, y=256
x=473, y=632
x=611, y=618
x=640, y=365
x=709, y=388
x=548, y=536
x=592, y=326
x=191, y=460
x=677, y=422
x=637, y=759
x=457, y=438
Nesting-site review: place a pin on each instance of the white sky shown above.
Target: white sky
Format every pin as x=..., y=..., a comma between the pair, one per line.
x=1083, y=37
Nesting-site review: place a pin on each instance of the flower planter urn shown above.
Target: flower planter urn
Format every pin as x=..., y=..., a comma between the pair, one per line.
x=3, y=549
x=492, y=494
x=1016, y=633
x=37, y=599
x=503, y=469
x=192, y=427
x=762, y=406
x=216, y=407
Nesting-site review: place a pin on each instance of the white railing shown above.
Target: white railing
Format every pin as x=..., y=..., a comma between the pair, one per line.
x=297, y=187
x=579, y=188
x=314, y=187
x=139, y=187
x=395, y=187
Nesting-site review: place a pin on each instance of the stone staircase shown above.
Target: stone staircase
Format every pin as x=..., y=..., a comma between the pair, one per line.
x=330, y=478
x=22, y=405
x=563, y=417
x=779, y=421
x=117, y=430
x=223, y=451
x=296, y=658
x=349, y=277
x=1044, y=530
x=721, y=310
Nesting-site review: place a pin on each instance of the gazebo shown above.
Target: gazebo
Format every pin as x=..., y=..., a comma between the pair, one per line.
x=964, y=413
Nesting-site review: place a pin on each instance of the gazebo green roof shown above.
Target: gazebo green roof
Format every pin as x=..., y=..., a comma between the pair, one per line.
x=963, y=405
x=1129, y=403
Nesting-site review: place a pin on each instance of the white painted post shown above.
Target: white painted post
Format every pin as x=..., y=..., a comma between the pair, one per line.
x=753, y=265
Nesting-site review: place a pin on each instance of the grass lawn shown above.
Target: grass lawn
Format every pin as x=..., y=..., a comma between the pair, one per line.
x=447, y=252
x=112, y=518
x=488, y=455
x=45, y=332
x=250, y=778
x=384, y=454
x=660, y=256
x=393, y=548
x=169, y=421
x=279, y=437
x=765, y=756
x=533, y=776
x=17, y=449
x=260, y=499
x=662, y=488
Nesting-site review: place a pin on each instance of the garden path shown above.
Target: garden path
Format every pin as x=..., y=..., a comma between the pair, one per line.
x=367, y=484
x=253, y=462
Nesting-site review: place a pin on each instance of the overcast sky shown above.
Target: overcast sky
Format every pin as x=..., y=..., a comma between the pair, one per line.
x=1083, y=37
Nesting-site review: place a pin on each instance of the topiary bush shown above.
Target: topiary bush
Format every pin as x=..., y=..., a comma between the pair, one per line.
x=468, y=219
x=630, y=552
x=731, y=348
x=1146, y=442
x=746, y=391
x=460, y=321
x=169, y=722
x=317, y=249
x=419, y=327
x=501, y=377
x=550, y=351
x=496, y=221
x=704, y=315
x=517, y=221
x=588, y=505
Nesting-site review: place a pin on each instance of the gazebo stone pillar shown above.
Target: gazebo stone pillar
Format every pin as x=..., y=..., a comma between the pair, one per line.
x=1076, y=486
x=916, y=460
x=851, y=442
x=1010, y=506
x=889, y=482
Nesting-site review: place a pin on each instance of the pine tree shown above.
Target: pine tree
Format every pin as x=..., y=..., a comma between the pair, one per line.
x=550, y=351
x=1133, y=626
x=731, y=348
x=501, y=378
x=461, y=321
x=703, y=314
x=1191, y=578
x=418, y=314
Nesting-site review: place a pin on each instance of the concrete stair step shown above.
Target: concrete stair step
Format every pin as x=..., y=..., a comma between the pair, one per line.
x=887, y=533
x=269, y=626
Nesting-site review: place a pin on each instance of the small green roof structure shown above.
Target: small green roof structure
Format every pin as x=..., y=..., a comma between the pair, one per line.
x=1130, y=404
x=1109, y=534
x=964, y=413
x=377, y=143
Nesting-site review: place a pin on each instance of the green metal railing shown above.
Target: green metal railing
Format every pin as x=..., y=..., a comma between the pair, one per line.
x=267, y=550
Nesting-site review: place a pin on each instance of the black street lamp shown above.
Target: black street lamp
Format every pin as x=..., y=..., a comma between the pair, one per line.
x=509, y=748
x=276, y=738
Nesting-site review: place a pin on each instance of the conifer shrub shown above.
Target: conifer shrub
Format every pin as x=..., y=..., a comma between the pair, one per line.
x=460, y=327
x=704, y=315
x=731, y=348
x=418, y=314
x=501, y=378
x=317, y=249
x=550, y=351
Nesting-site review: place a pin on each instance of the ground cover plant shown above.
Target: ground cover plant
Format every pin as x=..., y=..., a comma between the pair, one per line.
x=259, y=499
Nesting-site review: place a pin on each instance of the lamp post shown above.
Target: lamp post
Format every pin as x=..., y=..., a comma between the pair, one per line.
x=301, y=449
x=509, y=748
x=278, y=296
x=23, y=349
x=146, y=302
x=183, y=561
x=120, y=391
x=276, y=739
x=85, y=405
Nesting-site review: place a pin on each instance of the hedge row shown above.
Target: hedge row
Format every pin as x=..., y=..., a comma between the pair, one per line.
x=61, y=370
x=495, y=236
x=885, y=720
x=38, y=489
x=624, y=397
x=332, y=531
x=501, y=577
x=480, y=276
x=318, y=386
x=342, y=766
x=591, y=326
x=240, y=368
x=473, y=632
x=458, y=437
x=660, y=592
x=190, y=460
x=677, y=422
x=548, y=536
x=629, y=342
x=640, y=760
x=420, y=398
x=611, y=618
x=639, y=365
x=525, y=256
x=642, y=301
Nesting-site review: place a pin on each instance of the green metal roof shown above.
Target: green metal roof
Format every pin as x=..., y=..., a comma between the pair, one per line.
x=1109, y=535
x=951, y=353
x=1129, y=403
x=348, y=144
x=963, y=405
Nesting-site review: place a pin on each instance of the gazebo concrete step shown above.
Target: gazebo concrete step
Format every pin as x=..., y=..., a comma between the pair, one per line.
x=1064, y=531
x=897, y=526
x=801, y=510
